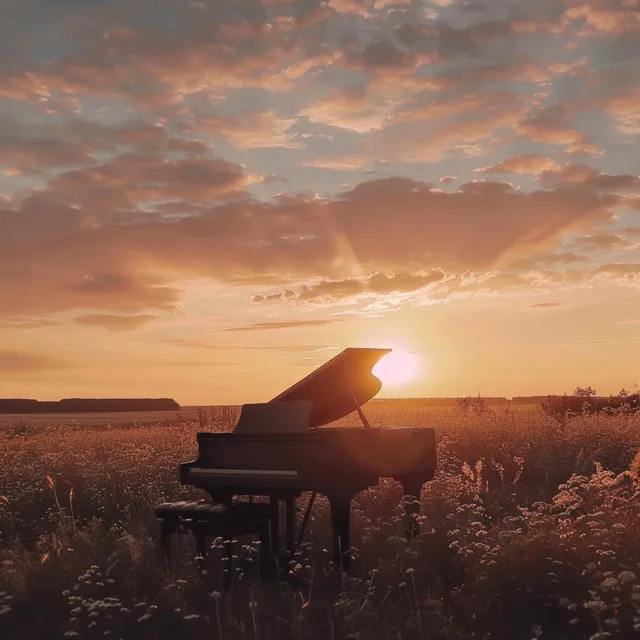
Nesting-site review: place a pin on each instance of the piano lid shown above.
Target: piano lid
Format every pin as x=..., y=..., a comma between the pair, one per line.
x=339, y=386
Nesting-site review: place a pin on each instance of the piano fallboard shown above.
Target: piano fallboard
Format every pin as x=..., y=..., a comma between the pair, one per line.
x=325, y=460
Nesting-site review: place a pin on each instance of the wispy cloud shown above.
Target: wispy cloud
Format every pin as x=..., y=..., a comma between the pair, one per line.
x=115, y=322
x=284, y=324
x=19, y=362
x=599, y=342
x=293, y=348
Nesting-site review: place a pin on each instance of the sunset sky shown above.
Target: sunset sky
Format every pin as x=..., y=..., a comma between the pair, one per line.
x=207, y=200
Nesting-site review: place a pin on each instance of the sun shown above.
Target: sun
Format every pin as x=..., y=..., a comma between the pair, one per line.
x=396, y=368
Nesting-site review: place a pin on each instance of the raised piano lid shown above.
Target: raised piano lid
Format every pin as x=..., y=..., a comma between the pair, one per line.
x=339, y=386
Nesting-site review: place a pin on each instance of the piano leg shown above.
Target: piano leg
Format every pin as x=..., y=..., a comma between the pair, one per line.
x=265, y=558
x=290, y=523
x=274, y=527
x=340, y=515
x=411, y=488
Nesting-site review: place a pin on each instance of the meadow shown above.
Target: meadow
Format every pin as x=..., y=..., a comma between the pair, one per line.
x=530, y=529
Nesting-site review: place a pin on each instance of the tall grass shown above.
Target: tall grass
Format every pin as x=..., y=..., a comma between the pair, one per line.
x=529, y=529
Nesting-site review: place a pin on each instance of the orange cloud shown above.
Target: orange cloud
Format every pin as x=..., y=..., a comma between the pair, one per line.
x=358, y=7
x=609, y=17
x=286, y=324
x=254, y=130
x=526, y=163
x=17, y=362
x=377, y=283
x=88, y=254
x=115, y=322
x=133, y=178
x=626, y=110
x=461, y=126
x=355, y=109
x=603, y=241
x=28, y=323
x=551, y=126
x=580, y=174
x=147, y=205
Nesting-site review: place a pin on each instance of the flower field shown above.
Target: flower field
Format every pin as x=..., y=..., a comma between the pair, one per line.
x=530, y=529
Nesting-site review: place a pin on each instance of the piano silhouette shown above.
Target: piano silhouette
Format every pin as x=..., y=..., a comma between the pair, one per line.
x=278, y=450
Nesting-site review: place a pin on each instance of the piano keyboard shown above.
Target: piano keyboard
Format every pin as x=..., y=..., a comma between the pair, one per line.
x=208, y=473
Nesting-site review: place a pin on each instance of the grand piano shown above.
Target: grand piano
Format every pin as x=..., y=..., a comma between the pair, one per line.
x=279, y=450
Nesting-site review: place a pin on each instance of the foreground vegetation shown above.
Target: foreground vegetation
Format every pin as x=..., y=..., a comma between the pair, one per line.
x=531, y=529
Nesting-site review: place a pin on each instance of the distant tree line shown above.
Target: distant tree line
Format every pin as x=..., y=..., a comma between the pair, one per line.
x=87, y=405
x=443, y=402
x=586, y=400
x=583, y=400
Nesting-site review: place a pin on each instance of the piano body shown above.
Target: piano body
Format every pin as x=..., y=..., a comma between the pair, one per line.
x=279, y=450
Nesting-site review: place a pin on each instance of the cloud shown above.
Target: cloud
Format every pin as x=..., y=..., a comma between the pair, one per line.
x=117, y=131
x=328, y=291
x=352, y=108
x=252, y=130
x=154, y=66
x=77, y=142
x=581, y=174
x=623, y=273
x=340, y=163
x=626, y=113
x=603, y=241
x=99, y=251
x=431, y=131
x=115, y=322
x=132, y=178
x=551, y=126
x=289, y=348
x=549, y=260
x=17, y=362
x=285, y=324
x=357, y=7
x=25, y=154
x=598, y=342
x=545, y=305
x=611, y=17
x=614, y=90
x=526, y=163
x=28, y=323
x=382, y=52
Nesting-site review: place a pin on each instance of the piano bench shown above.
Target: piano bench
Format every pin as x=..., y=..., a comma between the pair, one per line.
x=209, y=519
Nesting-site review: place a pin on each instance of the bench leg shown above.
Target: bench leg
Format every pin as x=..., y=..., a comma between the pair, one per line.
x=201, y=543
x=274, y=527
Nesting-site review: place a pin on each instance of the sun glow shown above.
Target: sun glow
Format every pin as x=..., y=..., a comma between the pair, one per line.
x=396, y=368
